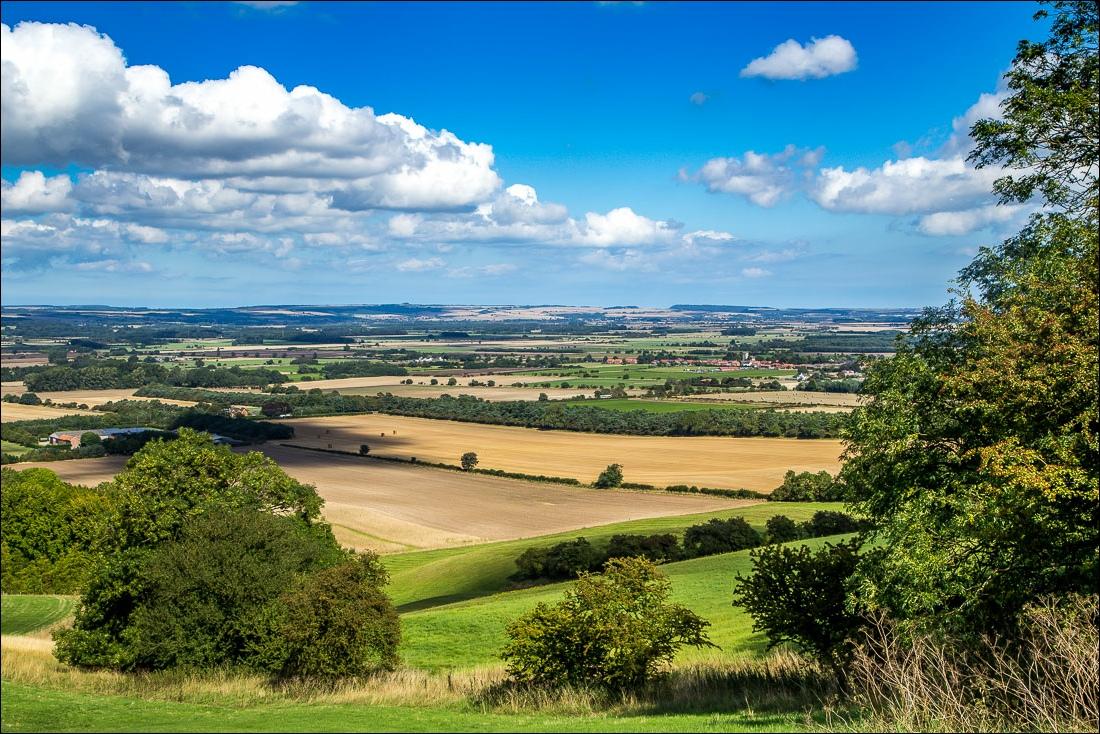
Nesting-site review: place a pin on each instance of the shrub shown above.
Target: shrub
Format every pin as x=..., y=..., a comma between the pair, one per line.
x=828, y=522
x=615, y=630
x=657, y=548
x=612, y=476
x=364, y=449
x=562, y=561
x=720, y=536
x=782, y=529
x=799, y=596
x=336, y=623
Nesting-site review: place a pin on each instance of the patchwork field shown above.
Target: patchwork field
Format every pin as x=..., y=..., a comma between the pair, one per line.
x=786, y=397
x=391, y=507
x=710, y=461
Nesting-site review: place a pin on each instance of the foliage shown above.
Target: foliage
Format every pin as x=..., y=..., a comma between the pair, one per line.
x=658, y=548
x=830, y=522
x=336, y=623
x=52, y=532
x=800, y=596
x=979, y=452
x=90, y=373
x=548, y=414
x=782, y=529
x=276, y=408
x=720, y=536
x=807, y=487
x=161, y=489
x=561, y=561
x=1049, y=130
x=616, y=631
x=201, y=599
x=468, y=460
x=612, y=476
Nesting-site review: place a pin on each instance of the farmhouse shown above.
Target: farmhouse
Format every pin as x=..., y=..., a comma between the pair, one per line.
x=73, y=437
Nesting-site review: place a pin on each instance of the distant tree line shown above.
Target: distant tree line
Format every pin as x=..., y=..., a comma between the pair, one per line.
x=565, y=560
x=89, y=373
x=556, y=415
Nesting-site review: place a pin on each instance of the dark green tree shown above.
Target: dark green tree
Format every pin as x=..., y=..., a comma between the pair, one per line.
x=978, y=455
x=782, y=529
x=799, y=596
x=612, y=476
x=468, y=461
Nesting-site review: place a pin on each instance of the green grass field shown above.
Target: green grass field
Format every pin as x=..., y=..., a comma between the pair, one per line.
x=441, y=636
x=15, y=449
x=21, y=614
x=34, y=708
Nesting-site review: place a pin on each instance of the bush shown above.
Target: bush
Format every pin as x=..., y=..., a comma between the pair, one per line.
x=657, y=548
x=615, y=631
x=612, y=476
x=364, y=449
x=799, y=596
x=828, y=522
x=782, y=529
x=336, y=623
x=562, y=561
x=720, y=536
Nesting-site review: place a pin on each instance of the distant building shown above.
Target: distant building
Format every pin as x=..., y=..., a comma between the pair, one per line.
x=106, y=434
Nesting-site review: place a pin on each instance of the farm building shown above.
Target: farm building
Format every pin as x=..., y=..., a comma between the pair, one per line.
x=106, y=434
x=73, y=437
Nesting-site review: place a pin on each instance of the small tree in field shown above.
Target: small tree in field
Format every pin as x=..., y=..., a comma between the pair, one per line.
x=615, y=630
x=469, y=461
x=612, y=476
x=799, y=596
x=364, y=449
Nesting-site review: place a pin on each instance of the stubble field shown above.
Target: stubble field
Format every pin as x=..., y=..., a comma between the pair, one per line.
x=706, y=461
x=392, y=507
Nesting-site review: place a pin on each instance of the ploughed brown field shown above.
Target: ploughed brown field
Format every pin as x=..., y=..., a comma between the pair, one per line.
x=395, y=507
x=705, y=461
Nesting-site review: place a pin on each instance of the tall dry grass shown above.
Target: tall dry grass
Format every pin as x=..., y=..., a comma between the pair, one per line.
x=1044, y=680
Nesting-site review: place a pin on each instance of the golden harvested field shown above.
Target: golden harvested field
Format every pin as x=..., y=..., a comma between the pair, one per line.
x=15, y=412
x=91, y=398
x=395, y=507
x=786, y=397
x=706, y=461
x=497, y=393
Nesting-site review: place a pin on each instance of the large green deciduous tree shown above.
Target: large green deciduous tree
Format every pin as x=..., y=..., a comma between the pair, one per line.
x=978, y=455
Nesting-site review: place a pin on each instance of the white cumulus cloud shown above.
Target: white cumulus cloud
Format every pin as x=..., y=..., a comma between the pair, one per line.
x=762, y=178
x=913, y=185
x=34, y=193
x=819, y=58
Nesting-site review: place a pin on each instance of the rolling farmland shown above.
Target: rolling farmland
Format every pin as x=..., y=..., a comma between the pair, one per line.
x=393, y=507
x=710, y=461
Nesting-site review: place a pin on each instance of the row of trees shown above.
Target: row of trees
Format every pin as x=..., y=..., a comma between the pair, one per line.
x=568, y=559
x=107, y=374
x=558, y=415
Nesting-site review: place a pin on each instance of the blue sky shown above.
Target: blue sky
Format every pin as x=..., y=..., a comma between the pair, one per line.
x=594, y=153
